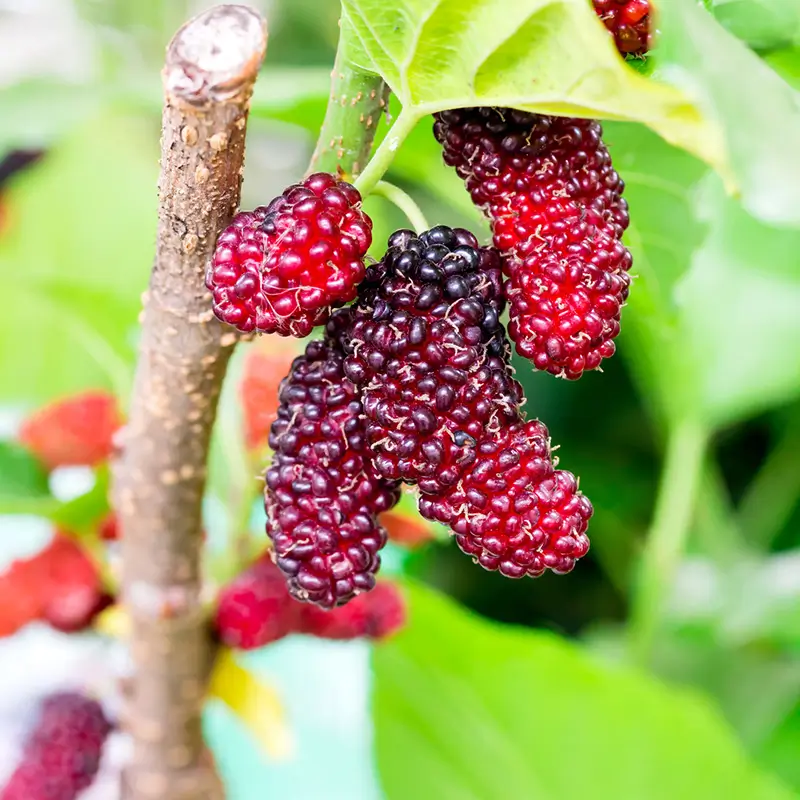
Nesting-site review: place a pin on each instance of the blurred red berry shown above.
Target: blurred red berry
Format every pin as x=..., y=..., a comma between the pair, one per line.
x=255, y=608
x=265, y=366
x=628, y=21
x=72, y=590
x=108, y=530
x=62, y=754
x=76, y=431
x=406, y=530
x=373, y=615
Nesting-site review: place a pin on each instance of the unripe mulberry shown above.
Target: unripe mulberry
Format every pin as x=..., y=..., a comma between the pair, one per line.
x=557, y=213
x=255, y=608
x=62, y=754
x=513, y=511
x=322, y=495
x=428, y=351
x=281, y=268
x=628, y=21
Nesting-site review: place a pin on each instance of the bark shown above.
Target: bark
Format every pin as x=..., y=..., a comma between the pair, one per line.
x=211, y=65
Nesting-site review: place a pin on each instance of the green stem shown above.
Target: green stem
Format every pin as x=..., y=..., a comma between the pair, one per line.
x=666, y=541
x=404, y=202
x=382, y=158
x=354, y=109
x=771, y=497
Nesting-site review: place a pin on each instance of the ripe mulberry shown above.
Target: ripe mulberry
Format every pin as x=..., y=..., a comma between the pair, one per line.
x=76, y=431
x=322, y=495
x=514, y=512
x=281, y=268
x=255, y=608
x=62, y=755
x=555, y=203
x=375, y=615
x=629, y=24
x=428, y=351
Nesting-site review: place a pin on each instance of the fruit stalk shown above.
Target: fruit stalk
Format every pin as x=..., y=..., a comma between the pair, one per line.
x=357, y=100
x=211, y=66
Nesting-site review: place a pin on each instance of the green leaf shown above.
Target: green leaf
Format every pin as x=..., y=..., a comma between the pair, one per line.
x=763, y=24
x=75, y=259
x=553, y=56
x=466, y=709
x=758, y=111
x=704, y=266
x=22, y=476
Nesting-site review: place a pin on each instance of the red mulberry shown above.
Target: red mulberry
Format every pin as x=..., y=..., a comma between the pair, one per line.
x=281, y=268
x=557, y=212
x=62, y=755
x=375, y=615
x=427, y=350
x=75, y=431
x=629, y=24
x=322, y=496
x=514, y=512
x=255, y=608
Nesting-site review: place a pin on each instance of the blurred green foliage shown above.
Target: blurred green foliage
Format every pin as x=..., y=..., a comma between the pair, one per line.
x=464, y=707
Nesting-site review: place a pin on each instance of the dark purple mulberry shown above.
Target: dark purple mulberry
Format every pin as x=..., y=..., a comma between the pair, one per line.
x=428, y=351
x=322, y=495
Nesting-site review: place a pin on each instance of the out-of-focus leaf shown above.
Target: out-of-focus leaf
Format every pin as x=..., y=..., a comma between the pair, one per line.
x=469, y=709
x=763, y=24
x=254, y=702
x=705, y=268
x=780, y=751
x=82, y=514
x=787, y=64
x=75, y=257
x=22, y=476
x=759, y=112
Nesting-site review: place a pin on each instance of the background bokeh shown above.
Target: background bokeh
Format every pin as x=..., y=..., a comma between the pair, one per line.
x=713, y=323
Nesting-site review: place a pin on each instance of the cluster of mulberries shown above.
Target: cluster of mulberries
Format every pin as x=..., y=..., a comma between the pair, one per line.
x=62, y=754
x=413, y=384
x=428, y=352
x=555, y=203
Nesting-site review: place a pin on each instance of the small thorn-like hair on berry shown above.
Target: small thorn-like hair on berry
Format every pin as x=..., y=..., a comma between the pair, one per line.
x=629, y=22
x=555, y=202
x=429, y=354
x=282, y=267
x=255, y=608
x=322, y=495
x=62, y=754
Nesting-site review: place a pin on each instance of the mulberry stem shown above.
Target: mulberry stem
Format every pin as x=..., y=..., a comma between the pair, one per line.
x=383, y=156
x=357, y=100
x=404, y=202
x=680, y=480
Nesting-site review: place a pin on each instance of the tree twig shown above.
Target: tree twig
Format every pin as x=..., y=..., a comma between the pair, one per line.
x=211, y=65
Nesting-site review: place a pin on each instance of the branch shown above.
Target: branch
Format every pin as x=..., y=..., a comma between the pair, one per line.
x=211, y=65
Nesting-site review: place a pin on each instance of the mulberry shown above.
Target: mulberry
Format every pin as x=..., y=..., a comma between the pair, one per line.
x=255, y=608
x=322, y=495
x=628, y=21
x=555, y=203
x=428, y=351
x=62, y=755
x=281, y=268
x=513, y=511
